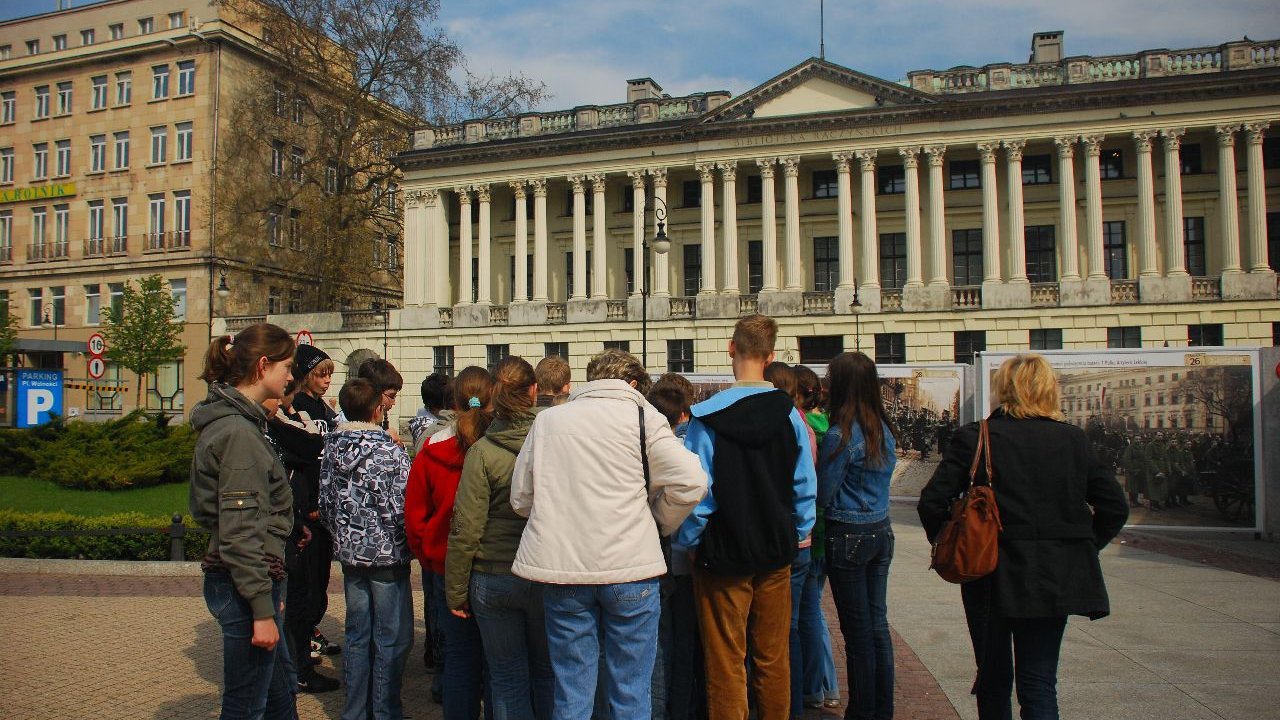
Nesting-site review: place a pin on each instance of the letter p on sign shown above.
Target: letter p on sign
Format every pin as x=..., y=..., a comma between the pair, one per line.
x=39, y=401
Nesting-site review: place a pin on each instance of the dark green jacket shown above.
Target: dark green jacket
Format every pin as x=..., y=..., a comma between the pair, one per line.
x=486, y=531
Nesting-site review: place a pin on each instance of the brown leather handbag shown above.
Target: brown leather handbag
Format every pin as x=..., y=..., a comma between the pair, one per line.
x=967, y=547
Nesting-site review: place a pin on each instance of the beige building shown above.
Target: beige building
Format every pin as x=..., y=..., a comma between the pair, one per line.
x=111, y=116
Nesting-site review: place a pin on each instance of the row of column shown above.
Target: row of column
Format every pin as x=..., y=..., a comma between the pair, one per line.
x=427, y=285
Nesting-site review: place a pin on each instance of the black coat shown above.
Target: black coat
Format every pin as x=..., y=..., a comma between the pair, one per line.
x=1059, y=507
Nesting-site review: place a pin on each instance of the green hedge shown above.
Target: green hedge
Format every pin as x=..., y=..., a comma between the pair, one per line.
x=95, y=547
x=137, y=450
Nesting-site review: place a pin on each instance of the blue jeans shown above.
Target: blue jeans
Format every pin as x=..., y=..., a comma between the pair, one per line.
x=379, y=636
x=815, y=638
x=257, y=684
x=433, y=611
x=622, y=616
x=509, y=612
x=799, y=573
x=1004, y=647
x=858, y=558
x=464, y=682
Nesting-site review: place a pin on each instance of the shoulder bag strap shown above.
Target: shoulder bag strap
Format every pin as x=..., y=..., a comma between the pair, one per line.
x=644, y=451
x=986, y=443
x=977, y=454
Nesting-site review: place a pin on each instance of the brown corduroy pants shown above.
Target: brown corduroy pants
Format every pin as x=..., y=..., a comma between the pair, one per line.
x=740, y=613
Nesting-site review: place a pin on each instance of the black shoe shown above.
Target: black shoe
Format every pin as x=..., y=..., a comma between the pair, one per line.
x=320, y=645
x=314, y=682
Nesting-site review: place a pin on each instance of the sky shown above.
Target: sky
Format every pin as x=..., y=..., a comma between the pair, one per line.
x=586, y=50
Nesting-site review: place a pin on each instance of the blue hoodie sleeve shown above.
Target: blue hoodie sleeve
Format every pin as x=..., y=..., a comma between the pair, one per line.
x=700, y=440
x=805, y=482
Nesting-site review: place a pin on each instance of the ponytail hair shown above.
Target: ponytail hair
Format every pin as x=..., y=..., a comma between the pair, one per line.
x=233, y=359
x=473, y=383
x=512, y=379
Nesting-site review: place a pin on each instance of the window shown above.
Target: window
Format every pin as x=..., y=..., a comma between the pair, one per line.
x=119, y=221
x=117, y=31
x=966, y=257
x=495, y=354
x=393, y=253
x=273, y=300
x=331, y=178
x=33, y=47
x=164, y=388
x=755, y=266
x=692, y=269
x=556, y=348
x=628, y=269
x=891, y=180
x=295, y=229
x=1037, y=170
x=893, y=260
x=97, y=225
x=1114, y=257
x=97, y=153
x=281, y=97
x=175, y=20
x=8, y=107
x=443, y=360
x=159, y=144
x=64, y=98
x=40, y=163
x=277, y=158
x=182, y=218
x=1124, y=337
x=1193, y=245
x=6, y=165
x=1042, y=257
x=968, y=343
x=6, y=239
x=1046, y=339
x=1273, y=240
x=755, y=189
x=86, y=37
x=623, y=345
x=826, y=263
x=182, y=140
x=273, y=226
x=58, y=299
x=6, y=52
x=679, y=356
x=965, y=175
x=42, y=102
x=36, y=296
x=187, y=77
x=159, y=82
x=295, y=161
x=891, y=348
x=155, y=224
x=1112, y=164
x=116, y=290
x=122, y=149
x=124, y=88
x=145, y=25
x=178, y=291
x=295, y=301
x=98, y=93
x=691, y=194
x=820, y=349
x=61, y=234
x=825, y=184
x=59, y=42
x=299, y=105
x=1190, y=159
x=1204, y=335
x=92, y=304
x=38, y=217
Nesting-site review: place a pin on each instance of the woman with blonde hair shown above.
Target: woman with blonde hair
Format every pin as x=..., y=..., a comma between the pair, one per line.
x=1059, y=506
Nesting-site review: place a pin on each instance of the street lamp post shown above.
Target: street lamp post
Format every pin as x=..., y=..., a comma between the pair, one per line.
x=856, y=308
x=661, y=245
x=50, y=321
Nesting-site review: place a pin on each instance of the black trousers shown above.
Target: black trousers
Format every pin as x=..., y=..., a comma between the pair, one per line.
x=1007, y=648
x=318, y=558
x=297, y=614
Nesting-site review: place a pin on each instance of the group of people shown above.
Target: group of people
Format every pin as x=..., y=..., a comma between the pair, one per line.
x=598, y=550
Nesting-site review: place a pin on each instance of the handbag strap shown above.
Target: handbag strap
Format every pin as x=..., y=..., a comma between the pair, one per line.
x=982, y=453
x=644, y=451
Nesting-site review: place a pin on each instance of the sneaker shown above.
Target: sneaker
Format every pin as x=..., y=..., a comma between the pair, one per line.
x=314, y=682
x=320, y=645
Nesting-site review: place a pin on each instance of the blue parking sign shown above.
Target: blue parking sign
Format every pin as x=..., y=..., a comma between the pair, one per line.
x=38, y=397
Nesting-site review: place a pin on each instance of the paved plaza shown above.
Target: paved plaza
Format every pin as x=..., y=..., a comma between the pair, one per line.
x=1187, y=639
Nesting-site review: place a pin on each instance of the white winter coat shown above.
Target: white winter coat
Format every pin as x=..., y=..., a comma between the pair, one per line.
x=580, y=481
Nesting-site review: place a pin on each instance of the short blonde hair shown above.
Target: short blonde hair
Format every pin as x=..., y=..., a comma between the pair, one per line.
x=616, y=364
x=755, y=336
x=1026, y=387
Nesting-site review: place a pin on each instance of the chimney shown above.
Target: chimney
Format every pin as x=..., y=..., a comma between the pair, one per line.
x=643, y=89
x=1046, y=47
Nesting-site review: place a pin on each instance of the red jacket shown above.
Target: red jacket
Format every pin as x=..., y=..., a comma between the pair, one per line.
x=428, y=500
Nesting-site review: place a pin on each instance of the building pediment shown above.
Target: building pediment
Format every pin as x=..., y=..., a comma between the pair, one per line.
x=816, y=87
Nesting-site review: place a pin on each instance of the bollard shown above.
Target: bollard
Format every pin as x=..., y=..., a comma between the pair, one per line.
x=177, y=531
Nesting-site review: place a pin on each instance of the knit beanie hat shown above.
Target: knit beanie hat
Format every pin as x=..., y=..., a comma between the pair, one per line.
x=305, y=358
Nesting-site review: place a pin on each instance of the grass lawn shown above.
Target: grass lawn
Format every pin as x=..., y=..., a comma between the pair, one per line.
x=30, y=495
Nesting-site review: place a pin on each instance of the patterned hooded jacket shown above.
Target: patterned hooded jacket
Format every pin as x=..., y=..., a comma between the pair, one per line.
x=363, y=473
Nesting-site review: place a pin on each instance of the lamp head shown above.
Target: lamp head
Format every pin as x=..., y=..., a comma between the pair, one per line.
x=223, y=291
x=661, y=243
x=47, y=321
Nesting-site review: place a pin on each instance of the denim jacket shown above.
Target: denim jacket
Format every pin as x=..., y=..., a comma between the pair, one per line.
x=850, y=491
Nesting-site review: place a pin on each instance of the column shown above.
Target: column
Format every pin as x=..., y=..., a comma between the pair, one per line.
x=1228, y=202
x=729, y=212
x=937, y=218
x=414, y=249
x=1017, y=223
x=1147, y=263
x=910, y=164
x=483, y=294
x=638, y=259
x=579, y=289
x=539, y=239
x=870, y=236
x=464, y=245
x=794, y=268
x=844, y=220
x=1093, y=205
x=661, y=263
x=1176, y=251
x=1067, y=208
x=599, y=272
x=438, y=221
x=707, y=174
x=990, y=214
x=1258, y=262
x=520, y=284
x=768, y=226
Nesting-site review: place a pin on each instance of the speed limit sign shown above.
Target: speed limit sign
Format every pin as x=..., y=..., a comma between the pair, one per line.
x=97, y=368
x=97, y=345
x=304, y=337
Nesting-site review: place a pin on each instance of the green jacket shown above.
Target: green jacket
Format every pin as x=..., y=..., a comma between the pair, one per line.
x=486, y=530
x=240, y=492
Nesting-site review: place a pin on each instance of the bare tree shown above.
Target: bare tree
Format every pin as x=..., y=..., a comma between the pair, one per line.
x=1224, y=392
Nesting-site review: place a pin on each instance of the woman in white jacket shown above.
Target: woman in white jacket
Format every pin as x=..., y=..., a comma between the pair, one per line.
x=599, y=478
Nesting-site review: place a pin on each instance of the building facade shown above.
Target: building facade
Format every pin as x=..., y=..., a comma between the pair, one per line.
x=111, y=118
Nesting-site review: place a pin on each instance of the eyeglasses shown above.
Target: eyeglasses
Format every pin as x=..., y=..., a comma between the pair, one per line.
x=390, y=394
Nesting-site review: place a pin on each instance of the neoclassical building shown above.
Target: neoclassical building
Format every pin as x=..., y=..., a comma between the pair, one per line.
x=1067, y=202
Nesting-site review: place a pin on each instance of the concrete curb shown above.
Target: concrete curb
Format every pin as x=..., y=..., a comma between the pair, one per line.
x=135, y=568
